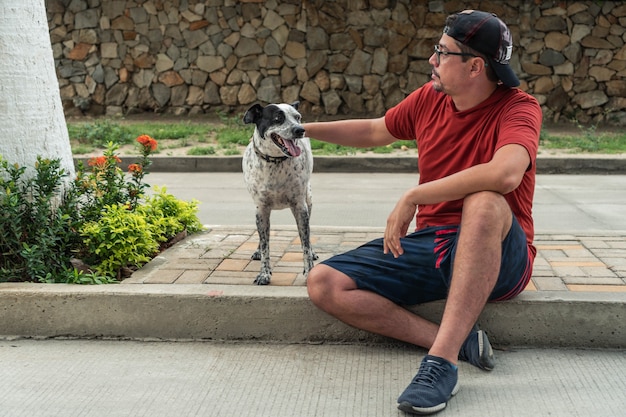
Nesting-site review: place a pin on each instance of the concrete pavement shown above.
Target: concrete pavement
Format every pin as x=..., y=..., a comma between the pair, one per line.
x=282, y=357
x=567, y=204
x=104, y=378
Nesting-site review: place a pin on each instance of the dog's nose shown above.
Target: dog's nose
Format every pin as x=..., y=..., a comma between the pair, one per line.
x=298, y=131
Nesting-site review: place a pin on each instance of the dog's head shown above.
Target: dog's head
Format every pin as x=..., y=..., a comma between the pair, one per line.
x=278, y=123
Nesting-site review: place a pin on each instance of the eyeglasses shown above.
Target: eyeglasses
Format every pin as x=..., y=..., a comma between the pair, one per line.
x=439, y=52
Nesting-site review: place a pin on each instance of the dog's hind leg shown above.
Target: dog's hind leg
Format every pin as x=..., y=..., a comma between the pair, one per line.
x=263, y=228
x=309, y=204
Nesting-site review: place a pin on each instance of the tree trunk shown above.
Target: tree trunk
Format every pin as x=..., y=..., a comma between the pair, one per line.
x=32, y=122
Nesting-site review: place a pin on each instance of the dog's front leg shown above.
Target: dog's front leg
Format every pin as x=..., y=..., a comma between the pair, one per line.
x=302, y=217
x=263, y=228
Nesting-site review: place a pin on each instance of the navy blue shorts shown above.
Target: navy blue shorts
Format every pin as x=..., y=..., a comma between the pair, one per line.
x=424, y=271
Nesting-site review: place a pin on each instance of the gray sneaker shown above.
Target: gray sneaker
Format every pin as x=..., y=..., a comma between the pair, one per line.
x=477, y=350
x=435, y=383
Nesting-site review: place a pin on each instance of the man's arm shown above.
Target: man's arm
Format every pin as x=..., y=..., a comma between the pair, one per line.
x=502, y=174
x=358, y=133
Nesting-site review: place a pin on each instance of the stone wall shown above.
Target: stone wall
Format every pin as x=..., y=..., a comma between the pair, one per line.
x=344, y=57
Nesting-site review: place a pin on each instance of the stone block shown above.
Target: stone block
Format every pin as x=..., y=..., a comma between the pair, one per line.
x=86, y=19
x=386, y=49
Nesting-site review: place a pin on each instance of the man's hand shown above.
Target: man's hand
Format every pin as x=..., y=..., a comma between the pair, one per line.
x=397, y=225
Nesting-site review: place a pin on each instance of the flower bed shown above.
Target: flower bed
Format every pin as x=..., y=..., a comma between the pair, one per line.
x=96, y=229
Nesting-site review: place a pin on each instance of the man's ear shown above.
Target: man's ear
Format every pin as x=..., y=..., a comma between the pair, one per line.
x=478, y=65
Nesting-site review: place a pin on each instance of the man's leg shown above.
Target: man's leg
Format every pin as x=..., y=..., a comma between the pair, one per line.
x=484, y=226
x=337, y=294
x=486, y=221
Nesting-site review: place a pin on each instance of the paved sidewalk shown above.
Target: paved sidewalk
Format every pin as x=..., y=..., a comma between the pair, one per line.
x=221, y=255
x=95, y=378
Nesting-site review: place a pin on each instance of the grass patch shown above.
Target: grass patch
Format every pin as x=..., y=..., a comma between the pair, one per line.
x=324, y=148
x=82, y=149
x=92, y=136
x=201, y=151
x=589, y=140
x=100, y=133
x=182, y=131
x=232, y=151
x=229, y=136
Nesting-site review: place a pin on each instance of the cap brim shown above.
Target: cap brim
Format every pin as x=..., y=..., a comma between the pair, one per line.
x=505, y=74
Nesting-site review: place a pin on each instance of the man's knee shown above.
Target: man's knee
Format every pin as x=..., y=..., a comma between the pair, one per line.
x=317, y=283
x=487, y=200
x=325, y=283
x=314, y=281
x=487, y=209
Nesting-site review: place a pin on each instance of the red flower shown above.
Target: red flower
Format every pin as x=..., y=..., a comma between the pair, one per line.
x=134, y=168
x=147, y=142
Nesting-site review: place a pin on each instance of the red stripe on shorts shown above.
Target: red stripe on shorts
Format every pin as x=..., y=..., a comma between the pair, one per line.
x=441, y=244
x=522, y=283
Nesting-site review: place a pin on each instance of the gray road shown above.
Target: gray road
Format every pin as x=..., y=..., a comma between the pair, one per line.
x=563, y=203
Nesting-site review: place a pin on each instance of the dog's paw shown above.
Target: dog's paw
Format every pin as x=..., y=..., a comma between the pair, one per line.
x=308, y=264
x=263, y=278
x=256, y=256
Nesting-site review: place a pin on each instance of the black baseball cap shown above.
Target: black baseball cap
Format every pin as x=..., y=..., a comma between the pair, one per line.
x=487, y=34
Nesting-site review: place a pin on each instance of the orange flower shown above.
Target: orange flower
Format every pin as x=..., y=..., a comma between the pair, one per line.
x=134, y=168
x=147, y=142
x=97, y=161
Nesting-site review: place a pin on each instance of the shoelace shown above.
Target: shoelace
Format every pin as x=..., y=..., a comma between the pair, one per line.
x=428, y=373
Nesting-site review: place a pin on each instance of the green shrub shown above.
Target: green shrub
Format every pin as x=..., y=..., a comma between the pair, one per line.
x=170, y=214
x=118, y=239
x=103, y=218
x=123, y=238
x=36, y=224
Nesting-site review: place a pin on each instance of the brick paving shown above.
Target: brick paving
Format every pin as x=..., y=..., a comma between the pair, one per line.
x=221, y=255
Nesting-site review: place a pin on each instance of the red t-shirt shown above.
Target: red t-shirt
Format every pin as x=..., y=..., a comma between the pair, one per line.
x=449, y=141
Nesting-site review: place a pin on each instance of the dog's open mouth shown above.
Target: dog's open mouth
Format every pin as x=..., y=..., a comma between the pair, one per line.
x=287, y=146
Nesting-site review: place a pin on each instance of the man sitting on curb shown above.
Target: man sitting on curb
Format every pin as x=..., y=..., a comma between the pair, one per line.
x=477, y=138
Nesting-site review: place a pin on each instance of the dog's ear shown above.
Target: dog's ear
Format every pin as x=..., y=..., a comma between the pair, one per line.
x=295, y=104
x=253, y=114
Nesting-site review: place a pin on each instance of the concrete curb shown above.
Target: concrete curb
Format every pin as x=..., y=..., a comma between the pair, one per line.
x=247, y=312
x=574, y=165
x=285, y=314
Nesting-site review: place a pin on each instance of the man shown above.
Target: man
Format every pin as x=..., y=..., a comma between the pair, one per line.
x=477, y=139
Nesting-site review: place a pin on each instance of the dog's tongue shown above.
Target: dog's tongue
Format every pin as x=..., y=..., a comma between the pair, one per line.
x=292, y=148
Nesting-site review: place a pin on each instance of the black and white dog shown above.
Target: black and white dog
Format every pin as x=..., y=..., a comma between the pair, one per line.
x=277, y=166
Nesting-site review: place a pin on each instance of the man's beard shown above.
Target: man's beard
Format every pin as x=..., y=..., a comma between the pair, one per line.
x=436, y=82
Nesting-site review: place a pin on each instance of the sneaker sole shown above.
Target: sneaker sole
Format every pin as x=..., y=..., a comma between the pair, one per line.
x=423, y=411
x=486, y=352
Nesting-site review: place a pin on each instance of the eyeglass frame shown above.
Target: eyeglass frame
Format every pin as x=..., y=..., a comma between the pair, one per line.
x=439, y=52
